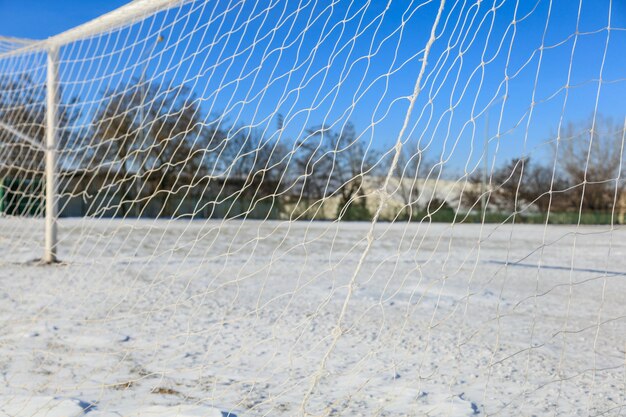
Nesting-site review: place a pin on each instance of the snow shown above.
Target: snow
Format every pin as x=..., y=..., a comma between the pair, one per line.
x=40, y=407
x=196, y=318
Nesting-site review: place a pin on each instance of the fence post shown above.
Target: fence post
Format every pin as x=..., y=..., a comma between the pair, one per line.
x=50, y=254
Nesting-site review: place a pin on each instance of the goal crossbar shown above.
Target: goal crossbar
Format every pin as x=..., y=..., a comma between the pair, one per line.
x=107, y=22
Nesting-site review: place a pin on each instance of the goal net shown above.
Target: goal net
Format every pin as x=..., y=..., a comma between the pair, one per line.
x=316, y=208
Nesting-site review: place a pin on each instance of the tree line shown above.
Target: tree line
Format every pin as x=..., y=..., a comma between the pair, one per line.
x=584, y=174
x=147, y=142
x=153, y=141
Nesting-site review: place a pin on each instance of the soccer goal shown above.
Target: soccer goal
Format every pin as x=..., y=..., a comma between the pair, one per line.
x=316, y=208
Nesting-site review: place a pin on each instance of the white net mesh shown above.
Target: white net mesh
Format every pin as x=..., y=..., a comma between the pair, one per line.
x=312, y=208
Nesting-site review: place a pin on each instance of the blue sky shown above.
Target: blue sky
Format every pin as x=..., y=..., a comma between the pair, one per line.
x=39, y=19
x=255, y=61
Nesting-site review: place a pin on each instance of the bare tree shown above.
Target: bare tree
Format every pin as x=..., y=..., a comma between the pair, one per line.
x=23, y=112
x=254, y=165
x=23, y=108
x=334, y=163
x=521, y=183
x=154, y=133
x=590, y=156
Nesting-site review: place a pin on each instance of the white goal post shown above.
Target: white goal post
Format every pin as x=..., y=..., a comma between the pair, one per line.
x=119, y=17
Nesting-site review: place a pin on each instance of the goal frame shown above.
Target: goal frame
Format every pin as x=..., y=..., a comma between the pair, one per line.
x=135, y=10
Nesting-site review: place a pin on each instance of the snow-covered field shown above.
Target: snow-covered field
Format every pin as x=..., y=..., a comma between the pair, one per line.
x=195, y=318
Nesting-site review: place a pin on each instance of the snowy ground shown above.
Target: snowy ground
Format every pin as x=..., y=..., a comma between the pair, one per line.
x=178, y=318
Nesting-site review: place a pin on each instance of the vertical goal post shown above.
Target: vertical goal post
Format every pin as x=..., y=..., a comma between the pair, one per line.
x=52, y=102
